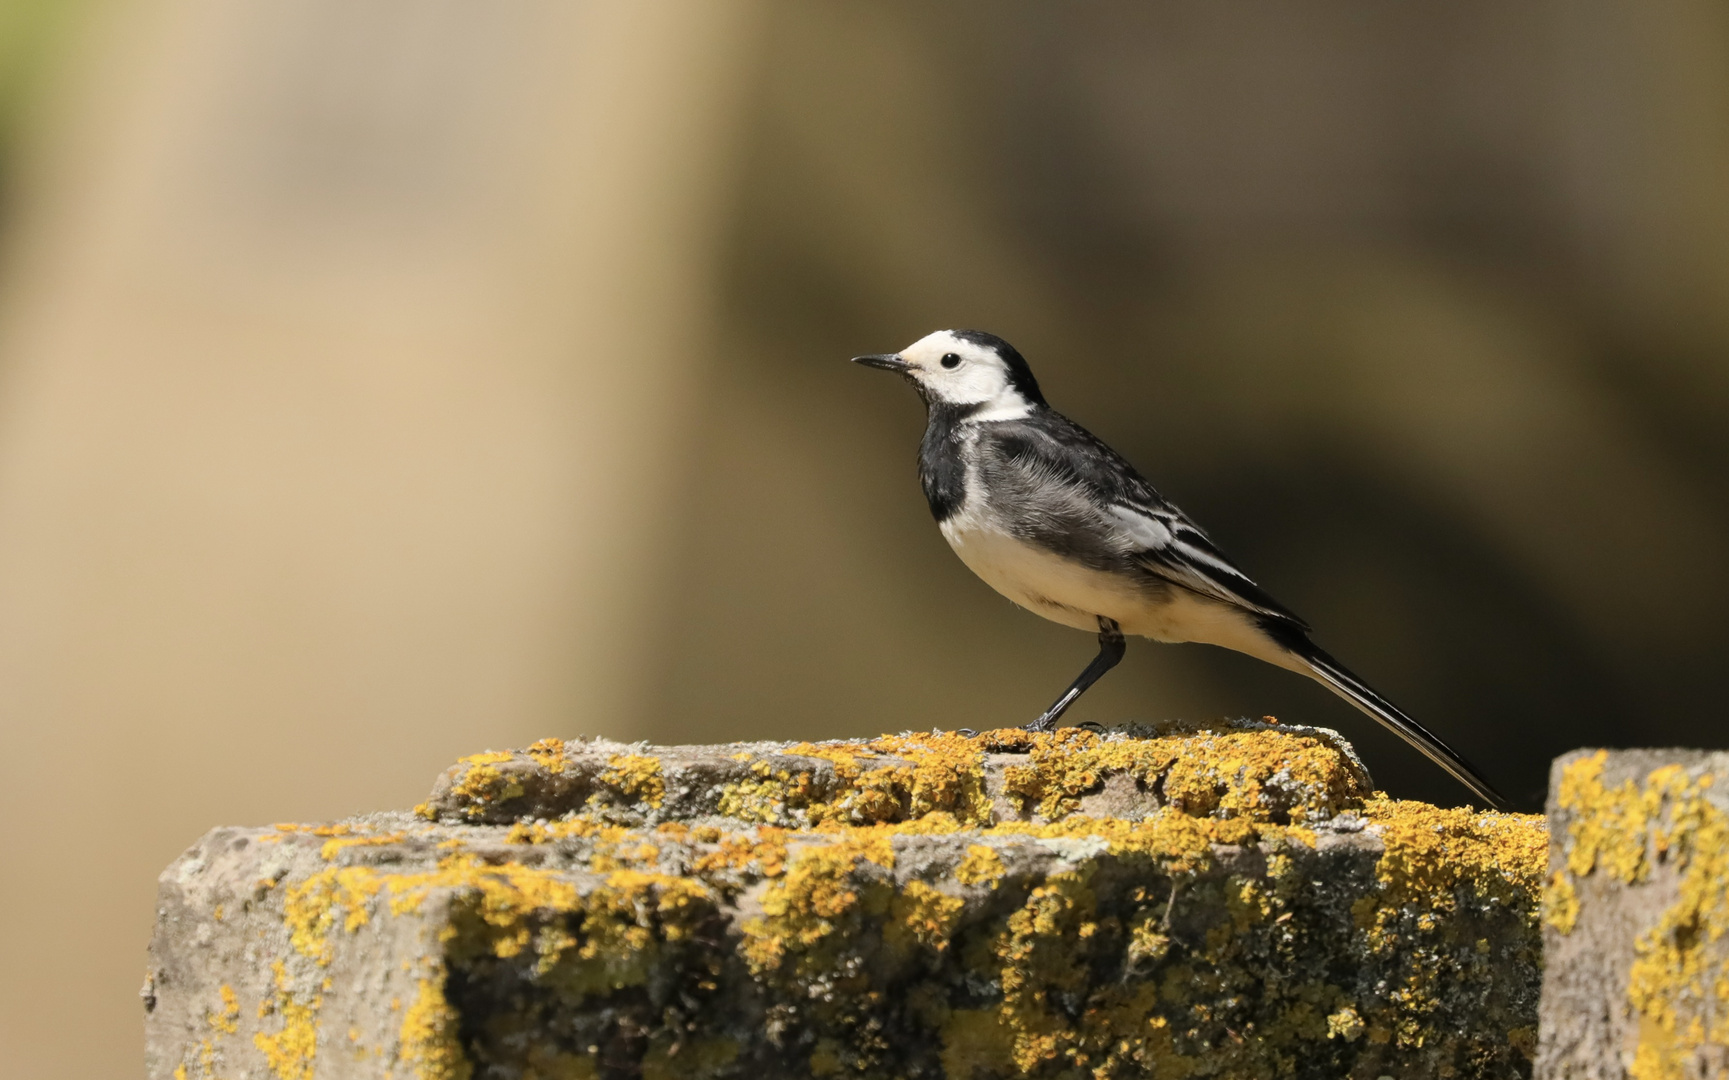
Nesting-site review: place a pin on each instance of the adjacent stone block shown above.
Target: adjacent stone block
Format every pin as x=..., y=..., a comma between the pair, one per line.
x=1233, y=902
x=1636, y=911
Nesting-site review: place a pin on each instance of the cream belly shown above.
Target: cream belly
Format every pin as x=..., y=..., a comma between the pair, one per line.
x=1069, y=593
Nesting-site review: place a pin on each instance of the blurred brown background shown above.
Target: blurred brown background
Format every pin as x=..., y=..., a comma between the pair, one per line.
x=385, y=381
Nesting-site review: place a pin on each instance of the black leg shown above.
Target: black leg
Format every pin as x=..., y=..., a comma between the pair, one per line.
x=1110, y=653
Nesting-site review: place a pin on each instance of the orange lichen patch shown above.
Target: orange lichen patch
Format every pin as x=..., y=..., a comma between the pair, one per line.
x=549, y=754
x=635, y=778
x=1679, y=981
x=490, y=757
x=289, y=1051
x=762, y=852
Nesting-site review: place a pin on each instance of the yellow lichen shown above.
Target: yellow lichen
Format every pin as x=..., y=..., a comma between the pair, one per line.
x=1258, y=775
x=1677, y=985
x=427, y=1041
x=227, y=1018
x=982, y=866
x=1561, y=903
x=922, y=916
x=1432, y=851
x=1609, y=828
x=762, y=851
x=1435, y=859
x=331, y=848
x=807, y=903
x=482, y=785
x=1345, y=1024
x=635, y=777
x=1679, y=981
x=1181, y=928
x=333, y=896
x=289, y=1051
x=549, y=753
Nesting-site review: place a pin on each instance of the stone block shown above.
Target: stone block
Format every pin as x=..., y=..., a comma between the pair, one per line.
x=1635, y=912
x=1229, y=902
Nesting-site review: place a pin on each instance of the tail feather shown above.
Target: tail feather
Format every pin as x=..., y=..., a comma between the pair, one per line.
x=1339, y=679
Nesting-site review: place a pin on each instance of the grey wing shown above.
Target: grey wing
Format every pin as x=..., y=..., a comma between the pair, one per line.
x=1079, y=497
x=1175, y=548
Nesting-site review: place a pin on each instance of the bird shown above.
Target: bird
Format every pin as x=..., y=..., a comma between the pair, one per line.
x=1052, y=518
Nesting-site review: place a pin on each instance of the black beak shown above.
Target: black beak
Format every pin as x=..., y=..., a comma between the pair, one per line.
x=886, y=361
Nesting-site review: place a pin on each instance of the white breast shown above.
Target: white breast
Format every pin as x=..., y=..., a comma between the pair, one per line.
x=1075, y=595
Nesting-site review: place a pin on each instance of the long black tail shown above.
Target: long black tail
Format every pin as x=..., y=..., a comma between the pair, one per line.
x=1341, y=681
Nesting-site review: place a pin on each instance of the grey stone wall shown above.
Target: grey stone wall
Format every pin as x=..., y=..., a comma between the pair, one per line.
x=1229, y=902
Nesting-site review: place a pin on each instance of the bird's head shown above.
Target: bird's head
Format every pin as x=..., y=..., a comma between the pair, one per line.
x=965, y=368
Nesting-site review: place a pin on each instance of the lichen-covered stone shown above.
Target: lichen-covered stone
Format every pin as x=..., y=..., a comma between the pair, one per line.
x=1257, y=769
x=1224, y=903
x=1636, y=914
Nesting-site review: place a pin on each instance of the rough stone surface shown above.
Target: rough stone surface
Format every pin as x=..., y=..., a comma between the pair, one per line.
x=1233, y=903
x=1636, y=911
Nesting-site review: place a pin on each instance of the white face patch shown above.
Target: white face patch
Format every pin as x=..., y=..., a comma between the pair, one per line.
x=976, y=376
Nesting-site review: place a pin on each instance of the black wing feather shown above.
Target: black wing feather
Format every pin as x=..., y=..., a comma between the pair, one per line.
x=1047, y=447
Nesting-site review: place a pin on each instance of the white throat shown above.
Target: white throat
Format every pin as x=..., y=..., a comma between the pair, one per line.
x=1007, y=405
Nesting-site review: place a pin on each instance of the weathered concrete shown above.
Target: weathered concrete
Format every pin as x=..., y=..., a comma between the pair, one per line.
x=1636, y=912
x=1232, y=903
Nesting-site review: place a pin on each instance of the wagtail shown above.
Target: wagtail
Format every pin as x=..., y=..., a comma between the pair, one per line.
x=1061, y=524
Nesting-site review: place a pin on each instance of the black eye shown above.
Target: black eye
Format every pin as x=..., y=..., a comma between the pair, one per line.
x=951, y=360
